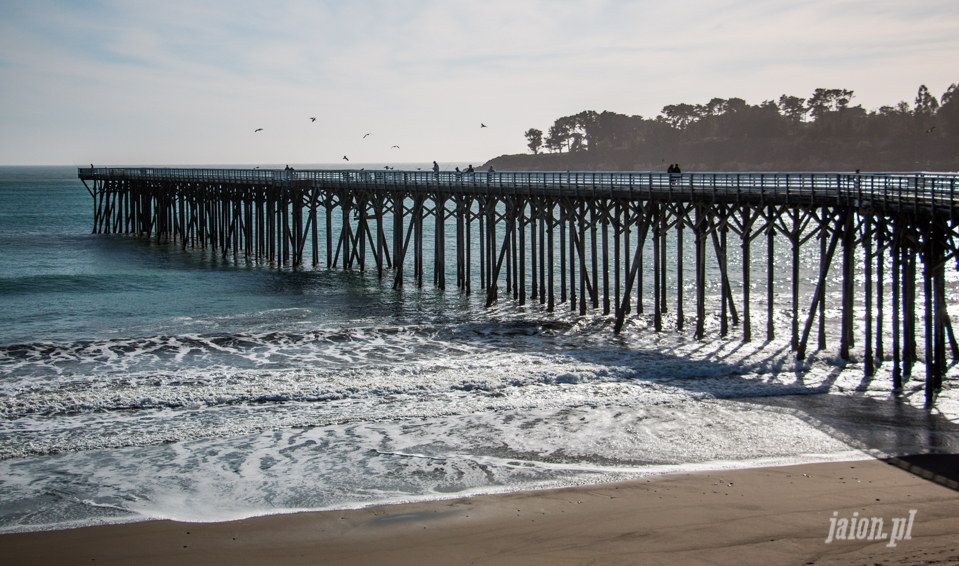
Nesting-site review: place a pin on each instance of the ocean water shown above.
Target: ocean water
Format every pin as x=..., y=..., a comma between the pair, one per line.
x=139, y=381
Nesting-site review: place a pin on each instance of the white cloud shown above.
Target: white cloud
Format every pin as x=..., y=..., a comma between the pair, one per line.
x=188, y=81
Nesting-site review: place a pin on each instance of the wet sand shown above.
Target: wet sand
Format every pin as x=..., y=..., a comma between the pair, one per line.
x=779, y=515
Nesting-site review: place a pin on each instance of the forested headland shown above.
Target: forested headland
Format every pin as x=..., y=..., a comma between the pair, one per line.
x=821, y=133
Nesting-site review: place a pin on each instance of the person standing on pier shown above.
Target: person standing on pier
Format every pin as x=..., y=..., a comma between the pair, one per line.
x=674, y=173
x=436, y=169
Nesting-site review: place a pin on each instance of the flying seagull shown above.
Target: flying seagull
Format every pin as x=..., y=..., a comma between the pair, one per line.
x=396, y=146
x=364, y=137
x=257, y=130
x=312, y=118
x=482, y=125
x=345, y=158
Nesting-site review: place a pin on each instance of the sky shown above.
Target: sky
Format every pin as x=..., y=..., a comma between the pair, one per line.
x=188, y=82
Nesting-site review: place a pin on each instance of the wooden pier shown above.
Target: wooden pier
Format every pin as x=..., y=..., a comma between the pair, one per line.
x=538, y=231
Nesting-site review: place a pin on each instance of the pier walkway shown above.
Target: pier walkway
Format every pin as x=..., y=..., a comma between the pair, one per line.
x=587, y=233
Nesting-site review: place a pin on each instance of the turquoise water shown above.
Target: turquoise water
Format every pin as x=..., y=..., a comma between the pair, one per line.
x=142, y=381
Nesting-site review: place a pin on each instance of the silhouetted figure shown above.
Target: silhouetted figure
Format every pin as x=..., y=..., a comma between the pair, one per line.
x=491, y=170
x=674, y=172
x=470, y=168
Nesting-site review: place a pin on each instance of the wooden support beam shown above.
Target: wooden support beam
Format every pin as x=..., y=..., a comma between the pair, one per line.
x=747, y=224
x=770, y=276
x=897, y=254
x=680, y=317
x=824, y=219
x=820, y=292
x=623, y=307
x=605, y=240
x=658, y=289
x=700, y=229
x=928, y=246
x=618, y=234
x=869, y=363
x=439, y=256
x=881, y=285
x=510, y=224
x=794, y=236
x=726, y=294
x=551, y=303
x=848, y=284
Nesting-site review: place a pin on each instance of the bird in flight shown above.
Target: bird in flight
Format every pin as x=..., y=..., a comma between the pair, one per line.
x=345, y=158
x=257, y=130
x=312, y=118
x=482, y=125
x=396, y=146
x=364, y=137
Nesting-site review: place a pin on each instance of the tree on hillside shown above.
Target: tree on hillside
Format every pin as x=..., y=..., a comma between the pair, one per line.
x=826, y=106
x=948, y=114
x=535, y=139
x=925, y=109
x=714, y=107
x=824, y=100
x=824, y=131
x=793, y=108
x=612, y=131
x=557, y=137
x=680, y=115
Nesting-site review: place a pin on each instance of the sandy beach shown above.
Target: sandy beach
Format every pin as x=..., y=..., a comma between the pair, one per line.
x=777, y=515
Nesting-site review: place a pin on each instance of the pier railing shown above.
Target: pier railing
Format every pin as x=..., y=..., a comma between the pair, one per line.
x=917, y=193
